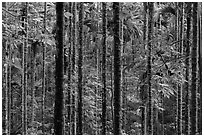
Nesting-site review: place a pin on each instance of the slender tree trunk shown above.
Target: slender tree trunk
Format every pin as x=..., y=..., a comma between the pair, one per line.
x=33, y=63
x=58, y=110
x=179, y=97
x=69, y=65
x=150, y=34
x=73, y=117
x=121, y=31
x=187, y=98
x=143, y=117
x=80, y=61
x=117, y=74
x=43, y=81
x=10, y=93
x=123, y=91
x=200, y=69
x=194, y=72
x=104, y=70
x=6, y=93
x=176, y=48
x=112, y=91
x=24, y=68
x=98, y=65
x=162, y=117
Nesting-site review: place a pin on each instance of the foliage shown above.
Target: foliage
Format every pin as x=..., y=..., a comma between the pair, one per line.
x=167, y=67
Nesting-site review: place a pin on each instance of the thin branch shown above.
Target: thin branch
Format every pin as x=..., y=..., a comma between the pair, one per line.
x=9, y=12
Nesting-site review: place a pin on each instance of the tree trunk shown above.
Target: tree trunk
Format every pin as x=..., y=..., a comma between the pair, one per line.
x=6, y=93
x=194, y=72
x=24, y=68
x=80, y=61
x=187, y=98
x=200, y=69
x=32, y=86
x=117, y=74
x=143, y=116
x=43, y=80
x=150, y=35
x=179, y=97
x=73, y=117
x=104, y=70
x=58, y=110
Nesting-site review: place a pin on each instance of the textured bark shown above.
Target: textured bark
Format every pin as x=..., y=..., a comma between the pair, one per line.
x=194, y=73
x=117, y=73
x=143, y=117
x=33, y=64
x=187, y=61
x=200, y=69
x=179, y=96
x=24, y=68
x=176, y=48
x=150, y=35
x=43, y=80
x=6, y=89
x=98, y=66
x=80, y=61
x=73, y=115
x=69, y=65
x=123, y=92
x=104, y=70
x=58, y=111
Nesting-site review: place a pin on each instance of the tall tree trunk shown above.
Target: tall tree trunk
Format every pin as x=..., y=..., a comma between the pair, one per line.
x=123, y=92
x=117, y=73
x=98, y=66
x=6, y=93
x=59, y=97
x=80, y=61
x=73, y=117
x=43, y=80
x=104, y=70
x=121, y=31
x=200, y=68
x=194, y=72
x=69, y=67
x=32, y=86
x=150, y=37
x=179, y=97
x=143, y=117
x=187, y=98
x=176, y=48
x=24, y=68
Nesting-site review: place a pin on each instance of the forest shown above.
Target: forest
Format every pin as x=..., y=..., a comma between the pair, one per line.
x=101, y=68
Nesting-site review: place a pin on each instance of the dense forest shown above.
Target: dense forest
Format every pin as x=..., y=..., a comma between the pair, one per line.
x=98, y=68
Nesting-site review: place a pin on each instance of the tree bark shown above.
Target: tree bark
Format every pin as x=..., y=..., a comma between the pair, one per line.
x=80, y=61
x=150, y=35
x=117, y=73
x=43, y=80
x=200, y=69
x=104, y=70
x=194, y=72
x=24, y=68
x=179, y=97
x=73, y=117
x=59, y=97
x=187, y=61
x=143, y=115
